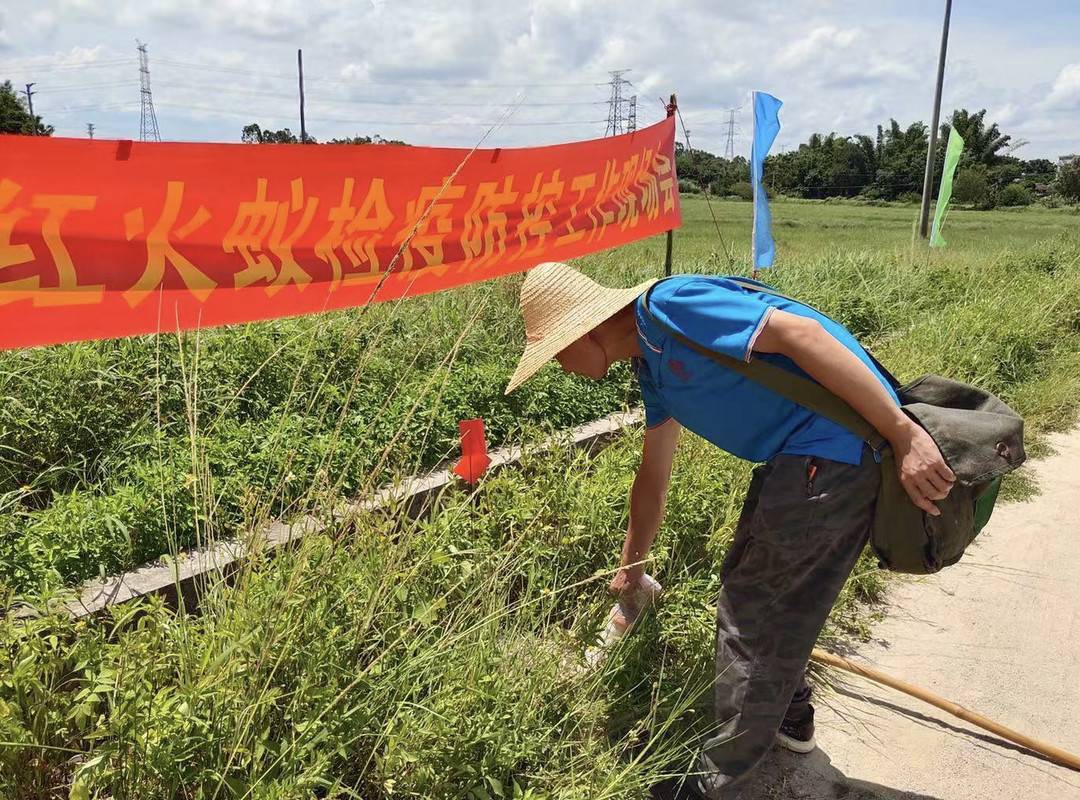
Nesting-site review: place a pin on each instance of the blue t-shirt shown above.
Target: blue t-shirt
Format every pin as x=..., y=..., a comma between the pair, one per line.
x=733, y=412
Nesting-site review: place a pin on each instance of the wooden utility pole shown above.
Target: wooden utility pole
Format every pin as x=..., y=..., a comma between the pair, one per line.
x=672, y=105
x=928, y=176
x=30, y=103
x=90, y=129
x=300, y=68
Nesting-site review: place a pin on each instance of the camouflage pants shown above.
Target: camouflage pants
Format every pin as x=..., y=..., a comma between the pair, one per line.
x=803, y=525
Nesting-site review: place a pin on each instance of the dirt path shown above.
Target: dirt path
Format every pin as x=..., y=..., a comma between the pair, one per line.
x=998, y=633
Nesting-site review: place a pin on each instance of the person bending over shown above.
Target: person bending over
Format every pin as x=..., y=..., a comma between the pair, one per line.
x=809, y=507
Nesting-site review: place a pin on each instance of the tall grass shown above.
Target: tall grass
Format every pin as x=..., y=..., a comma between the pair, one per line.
x=97, y=440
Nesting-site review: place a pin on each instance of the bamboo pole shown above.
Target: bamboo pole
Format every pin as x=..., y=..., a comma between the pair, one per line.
x=1055, y=754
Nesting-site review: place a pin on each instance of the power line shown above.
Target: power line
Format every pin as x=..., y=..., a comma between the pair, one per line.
x=85, y=87
x=43, y=66
x=119, y=105
x=390, y=101
x=148, y=127
x=433, y=82
x=249, y=113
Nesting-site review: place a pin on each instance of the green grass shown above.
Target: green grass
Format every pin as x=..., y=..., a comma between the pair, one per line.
x=113, y=453
x=387, y=658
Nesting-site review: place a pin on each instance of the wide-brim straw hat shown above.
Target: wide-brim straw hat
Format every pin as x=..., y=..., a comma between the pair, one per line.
x=560, y=305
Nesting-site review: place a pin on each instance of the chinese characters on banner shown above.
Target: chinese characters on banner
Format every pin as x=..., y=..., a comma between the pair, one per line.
x=103, y=238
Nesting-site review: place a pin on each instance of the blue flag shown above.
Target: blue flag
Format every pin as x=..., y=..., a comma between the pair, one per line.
x=766, y=126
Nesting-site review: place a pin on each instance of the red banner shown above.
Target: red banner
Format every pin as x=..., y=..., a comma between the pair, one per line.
x=106, y=238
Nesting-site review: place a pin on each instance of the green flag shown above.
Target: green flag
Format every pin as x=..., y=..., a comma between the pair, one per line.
x=952, y=157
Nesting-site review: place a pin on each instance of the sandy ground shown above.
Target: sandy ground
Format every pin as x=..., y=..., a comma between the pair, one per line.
x=998, y=633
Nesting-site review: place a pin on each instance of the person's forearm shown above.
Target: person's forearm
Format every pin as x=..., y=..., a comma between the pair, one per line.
x=842, y=372
x=646, y=512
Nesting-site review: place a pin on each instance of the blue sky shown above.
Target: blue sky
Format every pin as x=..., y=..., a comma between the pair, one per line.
x=438, y=72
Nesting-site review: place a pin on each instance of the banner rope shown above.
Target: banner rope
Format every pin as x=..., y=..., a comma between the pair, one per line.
x=712, y=213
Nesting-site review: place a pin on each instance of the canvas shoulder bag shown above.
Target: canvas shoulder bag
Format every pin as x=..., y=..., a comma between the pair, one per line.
x=979, y=436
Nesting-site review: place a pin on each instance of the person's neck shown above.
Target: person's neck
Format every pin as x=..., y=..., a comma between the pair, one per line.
x=618, y=336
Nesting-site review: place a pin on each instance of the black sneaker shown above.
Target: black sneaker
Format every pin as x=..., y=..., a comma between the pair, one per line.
x=797, y=735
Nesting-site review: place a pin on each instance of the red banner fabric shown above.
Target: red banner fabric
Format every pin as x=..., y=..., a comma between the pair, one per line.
x=114, y=238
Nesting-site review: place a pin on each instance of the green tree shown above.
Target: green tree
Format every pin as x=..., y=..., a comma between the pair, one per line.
x=1068, y=181
x=901, y=161
x=710, y=171
x=15, y=116
x=744, y=190
x=254, y=134
x=826, y=165
x=982, y=143
x=376, y=139
x=971, y=185
x=1015, y=194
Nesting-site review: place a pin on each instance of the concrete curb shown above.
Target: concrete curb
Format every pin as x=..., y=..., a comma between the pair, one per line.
x=186, y=577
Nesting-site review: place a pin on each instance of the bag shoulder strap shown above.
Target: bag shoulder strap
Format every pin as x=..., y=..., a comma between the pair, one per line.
x=764, y=288
x=806, y=393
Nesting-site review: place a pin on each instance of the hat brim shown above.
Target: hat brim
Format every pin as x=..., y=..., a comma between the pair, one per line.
x=585, y=316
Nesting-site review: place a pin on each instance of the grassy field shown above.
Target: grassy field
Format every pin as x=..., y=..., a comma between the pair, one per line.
x=437, y=659
x=113, y=453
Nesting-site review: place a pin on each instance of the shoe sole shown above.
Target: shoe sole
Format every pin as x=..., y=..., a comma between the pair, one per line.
x=796, y=745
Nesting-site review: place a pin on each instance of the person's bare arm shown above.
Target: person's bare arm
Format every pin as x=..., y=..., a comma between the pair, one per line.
x=648, y=497
x=923, y=471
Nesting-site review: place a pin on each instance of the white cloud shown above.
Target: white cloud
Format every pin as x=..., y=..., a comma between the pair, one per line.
x=1065, y=92
x=818, y=42
x=427, y=70
x=43, y=22
x=5, y=38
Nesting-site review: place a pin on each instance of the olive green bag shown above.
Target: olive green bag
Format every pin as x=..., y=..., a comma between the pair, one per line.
x=980, y=437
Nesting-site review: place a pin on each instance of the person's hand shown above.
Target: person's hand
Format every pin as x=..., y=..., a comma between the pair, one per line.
x=626, y=580
x=633, y=589
x=923, y=472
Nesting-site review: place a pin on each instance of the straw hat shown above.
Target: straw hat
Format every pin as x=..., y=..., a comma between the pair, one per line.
x=560, y=305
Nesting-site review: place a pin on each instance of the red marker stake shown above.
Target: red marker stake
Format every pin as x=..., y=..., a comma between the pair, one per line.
x=474, y=457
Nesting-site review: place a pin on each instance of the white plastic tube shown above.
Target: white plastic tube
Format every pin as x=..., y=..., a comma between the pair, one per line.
x=623, y=615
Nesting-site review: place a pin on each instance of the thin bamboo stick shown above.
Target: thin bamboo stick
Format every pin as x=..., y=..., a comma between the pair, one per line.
x=1050, y=751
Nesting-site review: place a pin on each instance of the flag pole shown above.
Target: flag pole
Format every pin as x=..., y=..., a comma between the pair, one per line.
x=754, y=187
x=671, y=107
x=928, y=175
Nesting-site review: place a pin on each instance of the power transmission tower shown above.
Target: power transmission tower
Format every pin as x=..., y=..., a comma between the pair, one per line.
x=90, y=129
x=148, y=128
x=620, y=108
x=732, y=129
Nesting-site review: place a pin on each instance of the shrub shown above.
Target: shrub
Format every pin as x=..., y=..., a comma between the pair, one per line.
x=909, y=198
x=971, y=186
x=1068, y=182
x=1015, y=194
x=688, y=186
x=743, y=190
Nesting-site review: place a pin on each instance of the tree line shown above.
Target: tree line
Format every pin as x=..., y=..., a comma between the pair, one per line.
x=889, y=166
x=886, y=166
x=255, y=134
